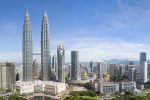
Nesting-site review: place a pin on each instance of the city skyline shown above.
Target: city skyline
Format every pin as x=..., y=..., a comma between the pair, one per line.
x=110, y=33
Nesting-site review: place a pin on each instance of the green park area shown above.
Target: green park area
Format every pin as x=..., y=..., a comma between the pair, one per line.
x=13, y=97
x=82, y=95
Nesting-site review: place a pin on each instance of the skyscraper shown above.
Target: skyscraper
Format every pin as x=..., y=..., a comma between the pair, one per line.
x=143, y=72
x=45, y=49
x=143, y=56
x=143, y=68
x=27, y=50
x=91, y=66
x=75, y=66
x=61, y=63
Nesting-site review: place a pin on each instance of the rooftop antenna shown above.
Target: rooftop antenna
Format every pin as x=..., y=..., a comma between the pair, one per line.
x=45, y=10
x=27, y=6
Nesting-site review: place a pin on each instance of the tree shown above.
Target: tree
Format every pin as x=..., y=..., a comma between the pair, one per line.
x=16, y=97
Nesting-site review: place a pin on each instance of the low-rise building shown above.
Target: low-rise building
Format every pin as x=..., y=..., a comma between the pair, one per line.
x=108, y=88
x=113, y=87
x=24, y=87
x=38, y=86
x=128, y=86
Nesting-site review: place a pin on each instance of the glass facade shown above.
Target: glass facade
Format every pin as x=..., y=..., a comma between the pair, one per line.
x=27, y=50
x=143, y=56
x=45, y=50
x=61, y=63
x=75, y=67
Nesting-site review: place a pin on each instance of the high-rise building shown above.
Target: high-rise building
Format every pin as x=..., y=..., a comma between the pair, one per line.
x=54, y=66
x=75, y=66
x=143, y=67
x=69, y=66
x=35, y=70
x=143, y=56
x=91, y=66
x=61, y=63
x=54, y=63
x=102, y=68
x=132, y=74
x=121, y=69
x=143, y=71
x=27, y=50
x=45, y=49
x=114, y=69
x=7, y=75
x=148, y=71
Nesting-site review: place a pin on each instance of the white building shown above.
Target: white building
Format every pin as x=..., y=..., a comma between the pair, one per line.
x=121, y=69
x=132, y=74
x=111, y=87
x=102, y=68
x=128, y=86
x=38, y=86
x=107, y=87
x=143, y=71
x=24, y=87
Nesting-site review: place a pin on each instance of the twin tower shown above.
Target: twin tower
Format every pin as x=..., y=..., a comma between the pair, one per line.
x=28, y=49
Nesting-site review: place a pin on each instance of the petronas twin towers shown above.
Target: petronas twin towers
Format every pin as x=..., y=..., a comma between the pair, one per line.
x=28, y=52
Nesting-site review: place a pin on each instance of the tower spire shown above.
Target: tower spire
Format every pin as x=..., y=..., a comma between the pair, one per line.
x=27, y=14
x=45, y=13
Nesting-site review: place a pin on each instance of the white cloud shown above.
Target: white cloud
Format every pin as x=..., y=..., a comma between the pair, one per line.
x=90, y=48
x=104, y=49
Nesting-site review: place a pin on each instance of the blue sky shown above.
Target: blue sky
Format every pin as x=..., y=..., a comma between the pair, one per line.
x=98, y=29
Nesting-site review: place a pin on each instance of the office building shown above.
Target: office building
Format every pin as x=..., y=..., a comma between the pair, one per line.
x=91, y=66
x=114, y=69
x=148, y=72
x=45, y=49
x=127, y=86
x=132, y=74
x=113, y=87
x=54, y=64
x=61, y=63
x=102, y=68
x=143, y=72
x=75, y=66
x=35, y=70
x=106, y=87
x=27, y=50
x=38, y=86
x=69, y=66
x=121, y=69
x=143, y=56
x=7, y=75
x=143, y=68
